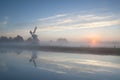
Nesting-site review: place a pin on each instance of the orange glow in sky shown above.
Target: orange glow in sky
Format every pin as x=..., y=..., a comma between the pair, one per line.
x=94, y=40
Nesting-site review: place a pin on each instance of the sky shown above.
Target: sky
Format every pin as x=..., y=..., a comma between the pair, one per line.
x=75, y=20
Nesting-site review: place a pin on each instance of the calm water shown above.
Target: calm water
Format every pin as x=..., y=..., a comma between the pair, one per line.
x=40, y=65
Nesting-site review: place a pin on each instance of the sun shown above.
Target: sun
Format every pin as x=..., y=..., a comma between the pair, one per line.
x=94, y=40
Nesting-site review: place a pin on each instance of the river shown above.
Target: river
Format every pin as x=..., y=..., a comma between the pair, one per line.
x=44, y=65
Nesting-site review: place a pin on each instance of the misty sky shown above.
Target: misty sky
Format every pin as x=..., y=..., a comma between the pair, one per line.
x=75, y=20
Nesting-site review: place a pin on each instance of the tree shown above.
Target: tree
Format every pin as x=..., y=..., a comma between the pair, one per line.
x=4, y=39
x=18, y=38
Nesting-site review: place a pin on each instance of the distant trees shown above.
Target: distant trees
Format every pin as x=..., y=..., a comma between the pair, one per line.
x=62, y=40
x=4, y=39
x=29, y=40
x=18, y=38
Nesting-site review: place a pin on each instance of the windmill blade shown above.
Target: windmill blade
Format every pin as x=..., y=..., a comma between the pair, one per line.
x=34, y=29
x=31, y=32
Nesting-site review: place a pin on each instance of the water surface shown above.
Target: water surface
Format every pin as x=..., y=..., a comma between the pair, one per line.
x=41, y=65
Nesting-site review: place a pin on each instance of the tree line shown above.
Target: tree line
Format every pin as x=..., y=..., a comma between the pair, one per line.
x=18, y=38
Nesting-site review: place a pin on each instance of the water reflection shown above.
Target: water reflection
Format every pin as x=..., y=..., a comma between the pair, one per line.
x=57, y=66
x=4, y=51
x=33, y=58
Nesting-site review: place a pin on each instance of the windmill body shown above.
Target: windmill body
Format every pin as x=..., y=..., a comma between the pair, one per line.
x=34, y=37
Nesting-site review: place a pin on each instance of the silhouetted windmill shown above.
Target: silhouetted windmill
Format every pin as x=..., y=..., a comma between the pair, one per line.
x=35, y=39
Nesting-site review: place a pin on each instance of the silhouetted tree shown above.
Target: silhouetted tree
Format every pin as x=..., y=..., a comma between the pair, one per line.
x=29, y=40
x=18, y=38
x=4, y=39
x=62, y=40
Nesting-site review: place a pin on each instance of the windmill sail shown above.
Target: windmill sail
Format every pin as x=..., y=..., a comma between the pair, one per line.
x=35, y=29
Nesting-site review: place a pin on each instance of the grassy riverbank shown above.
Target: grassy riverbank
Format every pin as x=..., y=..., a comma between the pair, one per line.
x=83, y=50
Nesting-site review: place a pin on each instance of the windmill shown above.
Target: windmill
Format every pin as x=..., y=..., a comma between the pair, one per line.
x=34, y=36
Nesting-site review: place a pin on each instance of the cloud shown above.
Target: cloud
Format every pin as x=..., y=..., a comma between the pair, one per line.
x=65, y=22
x=6, y=17
x=68, y=22
x=71, y=21
x=92, y=17
x=52, y=17
x=4, y=21
x=96, y=24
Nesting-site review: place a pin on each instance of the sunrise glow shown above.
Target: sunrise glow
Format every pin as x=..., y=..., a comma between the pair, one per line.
x=93, y=40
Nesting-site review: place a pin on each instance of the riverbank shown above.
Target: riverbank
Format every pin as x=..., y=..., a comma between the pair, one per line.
x=91, y=50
